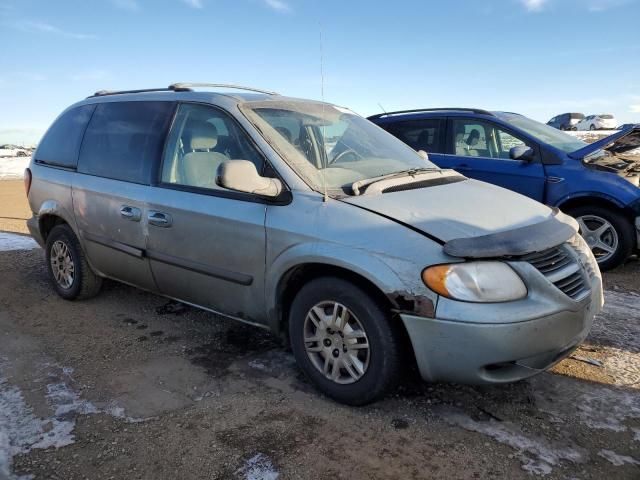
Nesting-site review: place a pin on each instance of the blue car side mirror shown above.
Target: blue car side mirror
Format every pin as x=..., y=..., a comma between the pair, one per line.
x=523, y=153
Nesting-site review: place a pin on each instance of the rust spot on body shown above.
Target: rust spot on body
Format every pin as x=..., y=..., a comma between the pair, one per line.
x=413, y=304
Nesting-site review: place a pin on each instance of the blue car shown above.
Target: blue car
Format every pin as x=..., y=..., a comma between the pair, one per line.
x=596, y=183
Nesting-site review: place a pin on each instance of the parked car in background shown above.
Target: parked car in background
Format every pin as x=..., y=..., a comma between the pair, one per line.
x=304, y=218
x=595, y=183
x=9, y=150
x=603, y=121
x=566, y=121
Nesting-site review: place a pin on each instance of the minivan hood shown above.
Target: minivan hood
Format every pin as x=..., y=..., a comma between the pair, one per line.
x=619, y=142
x=458, y=210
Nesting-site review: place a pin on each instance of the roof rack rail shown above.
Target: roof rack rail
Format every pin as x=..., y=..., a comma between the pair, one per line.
x=418, y=110
x=102, y=93
x=179, y=87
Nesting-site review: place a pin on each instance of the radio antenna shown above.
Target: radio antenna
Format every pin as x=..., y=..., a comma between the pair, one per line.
x=324, y=156
x=381, y=107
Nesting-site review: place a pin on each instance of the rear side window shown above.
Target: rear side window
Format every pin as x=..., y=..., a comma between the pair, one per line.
x=61, y=144
x=418, y=134
x=124, y=140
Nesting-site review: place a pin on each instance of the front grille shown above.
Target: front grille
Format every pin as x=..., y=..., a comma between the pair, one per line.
x=561, y=267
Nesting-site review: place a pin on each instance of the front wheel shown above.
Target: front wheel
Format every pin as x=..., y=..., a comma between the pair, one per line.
x=592, y=127
x=609, y=234
x=68, y=268
x=344, y=341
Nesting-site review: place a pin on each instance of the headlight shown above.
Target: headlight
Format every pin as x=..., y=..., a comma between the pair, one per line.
x=475, y=281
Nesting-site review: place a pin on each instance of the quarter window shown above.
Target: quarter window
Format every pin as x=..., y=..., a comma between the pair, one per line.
x=124, y=140
x=202, y=138
x=61, y=144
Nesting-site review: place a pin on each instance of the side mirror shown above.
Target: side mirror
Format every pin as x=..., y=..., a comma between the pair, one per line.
x=524, y=153
x=242, y=176
x=423, y=154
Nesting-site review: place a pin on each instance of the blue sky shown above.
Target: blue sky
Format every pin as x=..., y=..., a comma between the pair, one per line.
x=536, y=57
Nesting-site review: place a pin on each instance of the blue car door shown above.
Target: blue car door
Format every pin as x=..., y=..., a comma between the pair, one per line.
x=480, y=149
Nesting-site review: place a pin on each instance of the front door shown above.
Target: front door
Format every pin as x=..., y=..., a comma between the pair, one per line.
x=480, y=149
x=207, y=244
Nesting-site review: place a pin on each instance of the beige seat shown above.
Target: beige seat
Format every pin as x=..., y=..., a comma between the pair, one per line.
x=201, y=163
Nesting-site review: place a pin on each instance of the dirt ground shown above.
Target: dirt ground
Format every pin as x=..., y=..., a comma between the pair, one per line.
x=131, y=385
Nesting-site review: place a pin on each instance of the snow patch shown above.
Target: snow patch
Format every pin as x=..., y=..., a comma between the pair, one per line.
x=537, y=454
x=11, y=241
x=258, y=467
x=12, y=168
x=616, y=459
x=22, y=431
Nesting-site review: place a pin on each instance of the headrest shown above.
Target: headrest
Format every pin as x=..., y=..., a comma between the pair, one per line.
x=473, y=138
x=204, y=136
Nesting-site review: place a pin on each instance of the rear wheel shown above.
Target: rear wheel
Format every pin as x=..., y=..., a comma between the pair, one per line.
x=68, y=268
x=609, y=234
x=592, y=127
x=344, y=341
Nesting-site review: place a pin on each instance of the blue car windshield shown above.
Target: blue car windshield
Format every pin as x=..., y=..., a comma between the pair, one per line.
x=543, y=133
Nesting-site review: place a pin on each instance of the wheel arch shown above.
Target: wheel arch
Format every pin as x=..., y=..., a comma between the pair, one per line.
x=296, y=277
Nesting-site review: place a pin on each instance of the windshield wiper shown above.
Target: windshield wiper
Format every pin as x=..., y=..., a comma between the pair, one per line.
x=359, y=186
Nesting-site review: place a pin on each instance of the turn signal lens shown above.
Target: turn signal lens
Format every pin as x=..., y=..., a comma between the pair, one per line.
x=484, y=281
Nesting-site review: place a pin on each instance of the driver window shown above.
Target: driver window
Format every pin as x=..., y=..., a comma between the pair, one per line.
x=483, y=139
x=201, y=139
x=506, y=142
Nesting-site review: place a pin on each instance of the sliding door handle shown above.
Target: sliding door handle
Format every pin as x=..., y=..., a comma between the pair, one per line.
x=130, y=213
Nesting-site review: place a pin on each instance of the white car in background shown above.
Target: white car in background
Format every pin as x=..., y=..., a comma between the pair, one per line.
x=603, y=121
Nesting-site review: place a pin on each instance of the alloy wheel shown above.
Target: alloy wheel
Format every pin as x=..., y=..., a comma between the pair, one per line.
x=336, y=342
x=62, y=265
x=600, y=235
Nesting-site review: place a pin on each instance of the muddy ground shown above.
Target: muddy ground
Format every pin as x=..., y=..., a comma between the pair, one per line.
x=131, y=385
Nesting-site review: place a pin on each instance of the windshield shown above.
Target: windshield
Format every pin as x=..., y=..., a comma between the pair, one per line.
x=329, y=145
x=544, y=133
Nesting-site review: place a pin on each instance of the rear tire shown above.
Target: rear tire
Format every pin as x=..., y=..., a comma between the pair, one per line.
x=592, y=127
x=344, y=341
x=620, y=236
x=70, y=273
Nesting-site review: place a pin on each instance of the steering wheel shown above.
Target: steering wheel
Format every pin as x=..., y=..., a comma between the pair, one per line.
x=344, y=153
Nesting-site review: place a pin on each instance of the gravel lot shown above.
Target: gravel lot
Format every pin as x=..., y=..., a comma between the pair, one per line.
x=131, y=385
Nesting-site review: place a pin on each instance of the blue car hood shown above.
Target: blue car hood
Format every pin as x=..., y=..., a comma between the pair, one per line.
x=620, y=142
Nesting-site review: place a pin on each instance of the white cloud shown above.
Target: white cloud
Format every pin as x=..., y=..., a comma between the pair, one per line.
x=278, y=5
x=88, y=75
x=602, y=5
x=194, y=3
x=131, y=5
x=534, y=5
x=42, y=27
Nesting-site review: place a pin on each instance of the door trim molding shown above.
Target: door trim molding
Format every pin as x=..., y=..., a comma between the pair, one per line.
x=234, y=277
x=107, y=242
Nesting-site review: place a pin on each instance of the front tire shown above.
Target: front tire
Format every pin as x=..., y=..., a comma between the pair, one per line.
x=592, y=127
x=70, y=273
x=344, y=341
x=608, y=233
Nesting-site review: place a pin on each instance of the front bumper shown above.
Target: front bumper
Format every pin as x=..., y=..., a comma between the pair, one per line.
x=502, y=342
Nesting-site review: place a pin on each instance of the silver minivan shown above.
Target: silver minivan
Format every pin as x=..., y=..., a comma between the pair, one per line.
x=306, y=219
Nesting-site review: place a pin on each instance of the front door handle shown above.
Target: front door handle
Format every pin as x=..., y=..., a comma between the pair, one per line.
x=159, y=219
x=130, y=213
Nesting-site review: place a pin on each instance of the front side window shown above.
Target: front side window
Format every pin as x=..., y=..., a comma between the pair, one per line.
x=475, y=138
x=61, y=144
x=124, y=139
x=330, y=146
x=418, y=134
x=202, y=138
